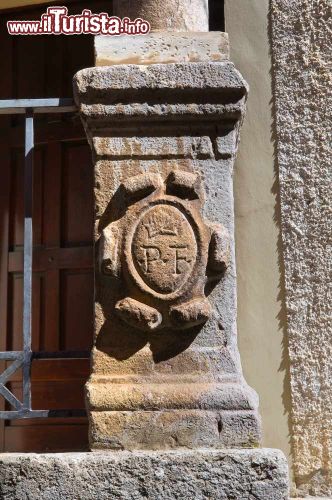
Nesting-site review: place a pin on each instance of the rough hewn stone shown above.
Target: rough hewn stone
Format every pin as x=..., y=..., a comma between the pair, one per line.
x=165, y=352
x=106, y=82
x=200, y=475
x=161, y=47
x=133, y=147
x=301, y=49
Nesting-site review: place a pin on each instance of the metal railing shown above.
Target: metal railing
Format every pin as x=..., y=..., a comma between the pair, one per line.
x=23, y=359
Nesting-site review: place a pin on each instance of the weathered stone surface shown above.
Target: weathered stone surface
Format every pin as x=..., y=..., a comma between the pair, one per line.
x=161, y=47
x=138, y=147
x=151, y=396
x=166, y=15
x=106, y=82
x=199, y=475
x=161, y=92
x=164, y=252
x=301, y=49
x=144, y=429
x=177, y=381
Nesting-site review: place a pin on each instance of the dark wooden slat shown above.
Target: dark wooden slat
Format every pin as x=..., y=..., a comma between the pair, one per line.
x=16, y=201
x=60, y=369
x=15, y=302
x=34, y=438
x=29, y=76
x=216, y=15
x=4, y=228
x=37, y=298
x=77, y=193
x=76, y=299
x=53, y=67
x=6, y=44
x=17, y=11
x=60, y=394
x=43, y=423
x=51, y=238
x=56, y=370
x=45, y=259
x=46, y=132
x=49, y=69
x=38, y=181
x=52, y=196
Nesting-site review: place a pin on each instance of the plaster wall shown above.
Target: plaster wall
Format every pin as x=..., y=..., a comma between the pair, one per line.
x=301, y=51
x=261, y=323
x=283, y=261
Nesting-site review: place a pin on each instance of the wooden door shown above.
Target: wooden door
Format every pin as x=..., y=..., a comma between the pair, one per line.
x=36, y=67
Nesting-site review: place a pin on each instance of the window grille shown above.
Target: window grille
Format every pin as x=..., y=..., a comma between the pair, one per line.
x=23, y=359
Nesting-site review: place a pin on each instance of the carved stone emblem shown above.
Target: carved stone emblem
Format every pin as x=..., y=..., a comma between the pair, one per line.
x=164, y=252
x=164, y=248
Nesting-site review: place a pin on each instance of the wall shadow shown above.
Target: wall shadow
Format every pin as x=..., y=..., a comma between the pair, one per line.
x=275, y=190
x=122, y=341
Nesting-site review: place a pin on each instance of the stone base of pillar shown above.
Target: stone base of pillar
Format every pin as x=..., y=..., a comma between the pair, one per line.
x=200, y=474
x=170, y=429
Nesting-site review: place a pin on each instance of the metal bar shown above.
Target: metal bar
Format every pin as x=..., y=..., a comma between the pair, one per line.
x=9, y=396
x=9, y=355
x=27, y=262
x=54, y=105
x=29, y=107
x=14, y=415
x=13, y=355
x=10, y=370
x=61, y=355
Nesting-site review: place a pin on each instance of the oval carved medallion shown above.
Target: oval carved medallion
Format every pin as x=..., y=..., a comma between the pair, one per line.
x=164, y=248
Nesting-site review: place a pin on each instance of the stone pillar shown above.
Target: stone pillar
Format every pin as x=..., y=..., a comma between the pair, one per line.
x=166, y=15
x=166, y=370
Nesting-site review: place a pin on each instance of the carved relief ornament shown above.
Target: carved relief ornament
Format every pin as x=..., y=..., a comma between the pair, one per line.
x=164, y=252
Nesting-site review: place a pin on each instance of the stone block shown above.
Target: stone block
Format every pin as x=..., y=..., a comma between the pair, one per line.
x=259, y=474
x=161, y=47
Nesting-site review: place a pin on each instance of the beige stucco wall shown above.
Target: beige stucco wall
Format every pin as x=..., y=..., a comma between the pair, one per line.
x=260, y=297
x=301, y=39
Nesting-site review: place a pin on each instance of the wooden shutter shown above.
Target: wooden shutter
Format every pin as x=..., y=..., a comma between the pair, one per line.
x=36, y=67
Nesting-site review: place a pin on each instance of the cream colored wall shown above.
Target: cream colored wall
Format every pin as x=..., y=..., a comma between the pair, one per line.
x=260, y=309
